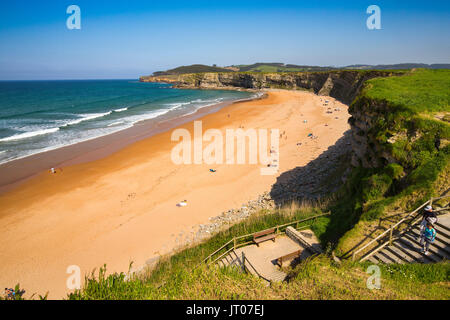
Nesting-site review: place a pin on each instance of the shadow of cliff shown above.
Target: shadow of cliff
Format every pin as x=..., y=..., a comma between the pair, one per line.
x=316, y=184
x=316, y=180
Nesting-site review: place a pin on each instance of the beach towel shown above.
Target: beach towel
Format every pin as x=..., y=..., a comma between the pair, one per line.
x=182, y=203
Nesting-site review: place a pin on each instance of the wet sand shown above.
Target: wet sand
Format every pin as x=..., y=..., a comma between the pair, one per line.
x=121, y=207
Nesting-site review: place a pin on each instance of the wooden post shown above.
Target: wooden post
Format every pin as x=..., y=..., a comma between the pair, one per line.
x=243, y=261
x=234, y=243
x=353, y=256
x=390, y=236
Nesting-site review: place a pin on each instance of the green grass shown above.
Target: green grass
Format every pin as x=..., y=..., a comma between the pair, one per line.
x=317, y=278
x=421, y=91
x=195, y=68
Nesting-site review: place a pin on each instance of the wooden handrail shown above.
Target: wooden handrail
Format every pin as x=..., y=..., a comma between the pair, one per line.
x=367, y=256
x=226, y=244
x=391, y=229
x=222, y=255
x=385, y=232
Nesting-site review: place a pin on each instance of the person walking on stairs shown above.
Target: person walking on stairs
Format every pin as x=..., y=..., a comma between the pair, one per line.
x=428, y=237
x=428, y=216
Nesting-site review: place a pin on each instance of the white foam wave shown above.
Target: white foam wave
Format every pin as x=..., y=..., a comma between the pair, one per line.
x=121, y=110
x=173, y=106
x=86, y=117
x=27, y=135
x=30, y=134
x=115, y=123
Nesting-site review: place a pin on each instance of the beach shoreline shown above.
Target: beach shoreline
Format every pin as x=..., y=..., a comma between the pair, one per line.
x=121, y=208
x=15, y=172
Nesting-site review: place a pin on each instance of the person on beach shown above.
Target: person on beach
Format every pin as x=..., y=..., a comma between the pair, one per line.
x=428, y=216
x=428, y=237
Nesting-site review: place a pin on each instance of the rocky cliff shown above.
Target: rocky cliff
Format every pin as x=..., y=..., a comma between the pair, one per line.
x=342, y=85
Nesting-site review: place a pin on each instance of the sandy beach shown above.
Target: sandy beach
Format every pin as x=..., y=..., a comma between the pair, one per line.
x=122, y=207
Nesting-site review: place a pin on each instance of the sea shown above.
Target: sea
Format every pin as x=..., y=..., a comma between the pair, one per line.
x=37, y=116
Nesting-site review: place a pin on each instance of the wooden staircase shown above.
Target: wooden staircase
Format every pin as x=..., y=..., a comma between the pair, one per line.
x=231, y=260
x=407, y=248
x=400, y=243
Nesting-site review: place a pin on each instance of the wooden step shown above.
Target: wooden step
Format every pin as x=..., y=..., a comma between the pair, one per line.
x=373, y=260
x=383, y=258
x=442, y=226
x=391, y=256
x=412, y=251
x=434, y=248
x=400, y=254
x=443, y=245
x=412, y=242
x=441, y=242
x=441, y=233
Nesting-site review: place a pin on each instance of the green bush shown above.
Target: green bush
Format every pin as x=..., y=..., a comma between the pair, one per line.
x=394, y=171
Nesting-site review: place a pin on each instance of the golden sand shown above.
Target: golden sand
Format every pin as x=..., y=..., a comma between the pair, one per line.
x=122, y=208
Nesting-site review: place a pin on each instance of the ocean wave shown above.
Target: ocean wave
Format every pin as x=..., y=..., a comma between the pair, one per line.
x=27, y=135
x=121, y=110
x=176, y=105
x=30, y=134
x=86, y=117
x=151, y=115
x=115, y=123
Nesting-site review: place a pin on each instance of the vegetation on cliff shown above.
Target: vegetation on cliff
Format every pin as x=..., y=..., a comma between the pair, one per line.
x=407, y=151
x=195, y=68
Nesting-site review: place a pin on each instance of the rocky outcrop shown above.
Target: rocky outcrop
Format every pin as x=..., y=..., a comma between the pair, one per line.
x=366, y=152
x=342, y=85
x=371, y=148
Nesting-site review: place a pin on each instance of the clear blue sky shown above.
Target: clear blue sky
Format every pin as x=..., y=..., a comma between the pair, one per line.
x=125, y=39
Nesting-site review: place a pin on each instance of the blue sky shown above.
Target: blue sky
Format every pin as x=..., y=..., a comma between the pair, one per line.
x=126, y=39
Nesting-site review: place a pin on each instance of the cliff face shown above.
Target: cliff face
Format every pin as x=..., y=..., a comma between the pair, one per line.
x=342, y=85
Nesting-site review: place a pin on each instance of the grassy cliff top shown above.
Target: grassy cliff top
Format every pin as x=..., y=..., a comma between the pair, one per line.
x=195, y=68
x=421, y=91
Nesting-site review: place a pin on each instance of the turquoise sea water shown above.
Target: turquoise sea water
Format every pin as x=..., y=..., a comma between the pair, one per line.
x=36, y=116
